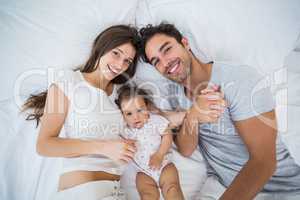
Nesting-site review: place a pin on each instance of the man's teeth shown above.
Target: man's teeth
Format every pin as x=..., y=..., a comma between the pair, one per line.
x=174, y=68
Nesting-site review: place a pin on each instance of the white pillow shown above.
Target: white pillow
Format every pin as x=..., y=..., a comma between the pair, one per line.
x=258, y=33
x=297, y=46
x=51, y=33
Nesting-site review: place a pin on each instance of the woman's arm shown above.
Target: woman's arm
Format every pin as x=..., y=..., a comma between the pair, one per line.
x=49, y=144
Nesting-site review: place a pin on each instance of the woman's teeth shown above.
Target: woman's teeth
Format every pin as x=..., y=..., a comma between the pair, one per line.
x=112, y=70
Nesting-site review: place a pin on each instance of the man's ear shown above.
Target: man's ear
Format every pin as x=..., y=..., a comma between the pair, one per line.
x=185, y=43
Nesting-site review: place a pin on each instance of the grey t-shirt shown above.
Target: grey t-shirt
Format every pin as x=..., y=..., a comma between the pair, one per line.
x=248, y=95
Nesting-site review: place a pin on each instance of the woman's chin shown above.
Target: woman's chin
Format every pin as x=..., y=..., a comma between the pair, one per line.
x=110, y=76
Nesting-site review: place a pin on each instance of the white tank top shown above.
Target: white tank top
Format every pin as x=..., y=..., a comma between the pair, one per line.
x=92, y=114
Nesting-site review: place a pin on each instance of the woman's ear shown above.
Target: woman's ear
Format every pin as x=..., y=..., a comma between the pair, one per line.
x=185, y=43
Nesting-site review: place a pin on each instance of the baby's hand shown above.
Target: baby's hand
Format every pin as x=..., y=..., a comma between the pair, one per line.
x=156, y=161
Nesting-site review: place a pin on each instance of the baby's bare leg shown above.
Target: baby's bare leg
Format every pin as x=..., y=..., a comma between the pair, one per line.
x=169, y=183
x=147, y=187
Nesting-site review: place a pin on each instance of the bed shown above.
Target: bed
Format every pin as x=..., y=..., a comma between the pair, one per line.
x=40, y=36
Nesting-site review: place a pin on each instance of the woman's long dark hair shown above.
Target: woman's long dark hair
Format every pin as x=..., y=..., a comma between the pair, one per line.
x=107, y=40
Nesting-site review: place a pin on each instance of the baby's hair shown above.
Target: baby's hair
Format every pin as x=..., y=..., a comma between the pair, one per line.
x=131, y=90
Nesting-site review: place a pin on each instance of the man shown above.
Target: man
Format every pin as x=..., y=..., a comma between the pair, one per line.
x=242, y=149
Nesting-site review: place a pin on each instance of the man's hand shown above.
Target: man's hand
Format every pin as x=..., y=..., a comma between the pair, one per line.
x=207, y=107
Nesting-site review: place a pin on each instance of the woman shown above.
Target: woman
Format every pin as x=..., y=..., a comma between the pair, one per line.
x=80, y=121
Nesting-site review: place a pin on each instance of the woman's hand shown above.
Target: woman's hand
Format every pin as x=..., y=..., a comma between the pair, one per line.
x=207, y=107
x=156, y=161
x=119, y=150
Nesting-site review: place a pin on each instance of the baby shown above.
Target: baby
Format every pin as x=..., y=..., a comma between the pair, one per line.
x=154, y=140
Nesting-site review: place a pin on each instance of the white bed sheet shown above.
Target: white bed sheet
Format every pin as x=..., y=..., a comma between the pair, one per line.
x=21, y=167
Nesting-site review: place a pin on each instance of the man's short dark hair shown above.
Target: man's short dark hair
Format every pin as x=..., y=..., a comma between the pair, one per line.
x=163, y=28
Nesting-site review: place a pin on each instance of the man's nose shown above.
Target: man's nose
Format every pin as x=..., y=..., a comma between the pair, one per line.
x=165, y=63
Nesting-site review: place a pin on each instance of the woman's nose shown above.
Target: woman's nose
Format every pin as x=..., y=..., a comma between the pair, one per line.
x=118, y=64
x=121, y=64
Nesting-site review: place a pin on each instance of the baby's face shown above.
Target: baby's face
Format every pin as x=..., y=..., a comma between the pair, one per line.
x=135, y=112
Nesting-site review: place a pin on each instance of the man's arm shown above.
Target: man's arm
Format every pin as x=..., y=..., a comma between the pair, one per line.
x=259, y=135
x=186, y=139
x=206, y=109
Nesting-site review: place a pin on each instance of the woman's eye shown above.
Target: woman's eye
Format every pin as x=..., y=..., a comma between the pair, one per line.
x=115, y=53
x=140, y=110
x=128, y=62
x=128, y=114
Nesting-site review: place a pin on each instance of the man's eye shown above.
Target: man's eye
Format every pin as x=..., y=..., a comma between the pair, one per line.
x=155, y=62
x=140, y=110
x=128, y=114
x=167, y=49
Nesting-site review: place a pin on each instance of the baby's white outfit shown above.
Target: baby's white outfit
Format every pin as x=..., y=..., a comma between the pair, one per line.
x=148, y=142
